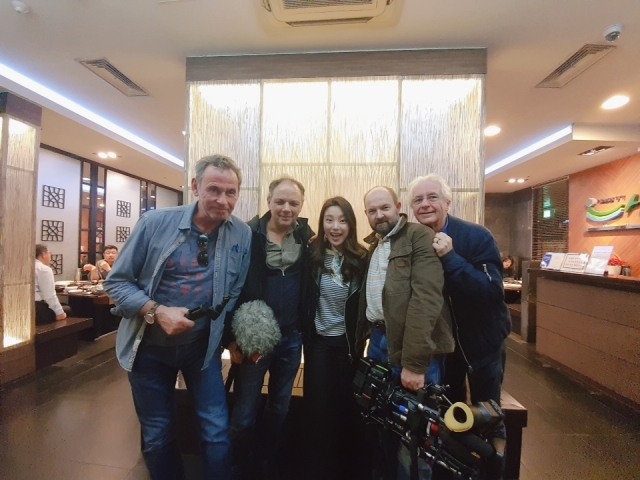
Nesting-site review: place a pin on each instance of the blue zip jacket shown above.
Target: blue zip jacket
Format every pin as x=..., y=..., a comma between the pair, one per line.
x=473, y=280
x=136, y=274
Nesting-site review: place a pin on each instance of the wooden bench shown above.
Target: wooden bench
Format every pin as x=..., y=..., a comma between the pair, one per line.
x=515, y=420
x=515, y=310
x=59, y=340
x=187, y=430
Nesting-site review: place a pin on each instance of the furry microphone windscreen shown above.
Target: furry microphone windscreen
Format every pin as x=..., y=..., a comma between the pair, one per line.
x=255, y=328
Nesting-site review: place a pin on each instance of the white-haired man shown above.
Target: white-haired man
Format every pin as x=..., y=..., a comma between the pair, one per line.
x=473, y=279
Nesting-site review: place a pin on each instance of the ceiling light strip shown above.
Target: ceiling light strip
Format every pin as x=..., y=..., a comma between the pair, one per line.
x=85, y=113
x=530, y=149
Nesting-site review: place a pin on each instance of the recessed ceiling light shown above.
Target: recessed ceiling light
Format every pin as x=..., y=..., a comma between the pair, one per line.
x=492, y=130
x=184, y=132
x=521, y=180
x=512, y=180
x=616, y=101
x=103, y=155
x=111, y=155
x=152, y=196
x=85, y=179
x=595, y=150
x=102, y=204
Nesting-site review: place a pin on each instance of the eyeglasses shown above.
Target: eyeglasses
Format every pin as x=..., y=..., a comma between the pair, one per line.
x=203, y=255
x=432, y=199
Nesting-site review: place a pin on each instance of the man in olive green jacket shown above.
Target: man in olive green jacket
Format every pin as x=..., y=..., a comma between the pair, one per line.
x=402, y=306
x=403, y=310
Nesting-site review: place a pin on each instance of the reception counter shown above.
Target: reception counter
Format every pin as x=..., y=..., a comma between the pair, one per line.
x=591, y=326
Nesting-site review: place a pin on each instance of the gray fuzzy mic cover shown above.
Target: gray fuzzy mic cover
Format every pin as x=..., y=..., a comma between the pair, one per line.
x=255, y=328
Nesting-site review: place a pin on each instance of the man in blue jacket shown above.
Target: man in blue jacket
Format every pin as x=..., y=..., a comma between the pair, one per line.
x=177, y=259
x=473, y=280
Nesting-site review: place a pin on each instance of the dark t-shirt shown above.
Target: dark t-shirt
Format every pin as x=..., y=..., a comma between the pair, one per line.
x=185, y=283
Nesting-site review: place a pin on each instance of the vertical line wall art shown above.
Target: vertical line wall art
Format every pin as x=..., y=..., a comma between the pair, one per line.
x=343, y=136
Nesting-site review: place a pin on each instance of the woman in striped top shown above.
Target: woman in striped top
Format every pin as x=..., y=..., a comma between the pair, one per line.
x=338, y=262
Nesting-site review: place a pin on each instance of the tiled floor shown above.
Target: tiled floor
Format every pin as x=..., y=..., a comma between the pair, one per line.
x=76, y=420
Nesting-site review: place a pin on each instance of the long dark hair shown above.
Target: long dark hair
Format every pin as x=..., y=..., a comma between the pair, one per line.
x=355, y=255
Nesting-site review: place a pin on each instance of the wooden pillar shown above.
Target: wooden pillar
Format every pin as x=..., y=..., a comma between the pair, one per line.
x=20, y=122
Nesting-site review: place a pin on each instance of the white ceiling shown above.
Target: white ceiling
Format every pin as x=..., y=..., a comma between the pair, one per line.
x=149, y=41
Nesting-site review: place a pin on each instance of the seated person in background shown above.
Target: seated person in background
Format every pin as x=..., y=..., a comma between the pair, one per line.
x=48, y=308
x=100, y=270
x=508, y=267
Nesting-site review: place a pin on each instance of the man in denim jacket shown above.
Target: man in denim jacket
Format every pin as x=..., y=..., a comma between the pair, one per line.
x=177, y=259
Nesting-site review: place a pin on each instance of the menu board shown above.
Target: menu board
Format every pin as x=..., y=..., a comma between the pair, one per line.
x=575, y=262
x=599, y=260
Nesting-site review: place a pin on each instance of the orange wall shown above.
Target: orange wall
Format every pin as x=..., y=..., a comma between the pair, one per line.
x=621, y=177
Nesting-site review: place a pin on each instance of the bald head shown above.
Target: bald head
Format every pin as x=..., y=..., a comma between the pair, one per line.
x=382, y=208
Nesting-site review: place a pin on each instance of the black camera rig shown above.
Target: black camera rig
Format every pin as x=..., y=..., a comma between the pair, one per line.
x=460, y=438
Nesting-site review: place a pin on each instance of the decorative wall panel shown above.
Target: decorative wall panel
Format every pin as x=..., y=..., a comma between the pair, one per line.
x=19, y=249
x=122, y=234
x=17, y=239
x=441, y=133
x=17, y=304
x=229, y=113
x=619, y=178
x=123, y=209
x=294, y=122
x=343, y=136
x=56, y=263
x=52, y=197
x=52, y=231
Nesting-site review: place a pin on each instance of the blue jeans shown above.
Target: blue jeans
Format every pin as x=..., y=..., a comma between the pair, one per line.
x=282, y=364
x=378, y=351
x=398, y=459
x=153, y=380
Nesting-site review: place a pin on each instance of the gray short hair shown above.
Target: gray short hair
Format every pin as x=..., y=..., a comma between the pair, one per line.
x=278, y=181
x=41, y=249
x=392, y=192
x=218, y=161
x=445, y=189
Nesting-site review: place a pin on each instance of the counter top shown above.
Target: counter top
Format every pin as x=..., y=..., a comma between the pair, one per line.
x=619, y=282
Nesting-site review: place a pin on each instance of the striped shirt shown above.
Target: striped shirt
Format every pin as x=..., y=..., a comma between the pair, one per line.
x=334, y=292
x=377, y=275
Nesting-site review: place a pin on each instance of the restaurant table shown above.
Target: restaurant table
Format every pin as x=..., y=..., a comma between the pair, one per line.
x=93, y=305
x=512, y=291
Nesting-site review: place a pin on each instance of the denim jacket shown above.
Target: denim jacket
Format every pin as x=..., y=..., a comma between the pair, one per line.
x=136, y=274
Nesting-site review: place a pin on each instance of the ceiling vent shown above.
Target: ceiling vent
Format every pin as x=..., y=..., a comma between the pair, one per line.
x=577, y=63
x=114, y=77
x=298, y=13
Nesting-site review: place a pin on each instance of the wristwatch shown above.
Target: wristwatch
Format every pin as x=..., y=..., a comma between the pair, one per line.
x=150, y=316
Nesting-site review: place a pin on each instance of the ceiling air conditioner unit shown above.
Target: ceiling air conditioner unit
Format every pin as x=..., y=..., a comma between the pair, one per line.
x=299, y=13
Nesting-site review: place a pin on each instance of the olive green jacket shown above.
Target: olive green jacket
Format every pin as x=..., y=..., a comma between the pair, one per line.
x=417, y=316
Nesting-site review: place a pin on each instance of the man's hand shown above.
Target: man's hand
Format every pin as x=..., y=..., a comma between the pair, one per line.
x=442, y=244
x=88, y=267
x=235, y=353
x=411, y=381
x=173, y=320
x=106, y=267
x=60, y=317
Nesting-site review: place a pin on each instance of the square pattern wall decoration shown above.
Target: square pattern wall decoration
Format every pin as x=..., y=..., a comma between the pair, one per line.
x=123, y=208
x=52, y=197
x=56, y=263
x=122, y=233
x=52, y=231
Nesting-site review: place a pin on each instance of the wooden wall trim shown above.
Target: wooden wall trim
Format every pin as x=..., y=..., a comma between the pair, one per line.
x=464, y=61
x=20, y=108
